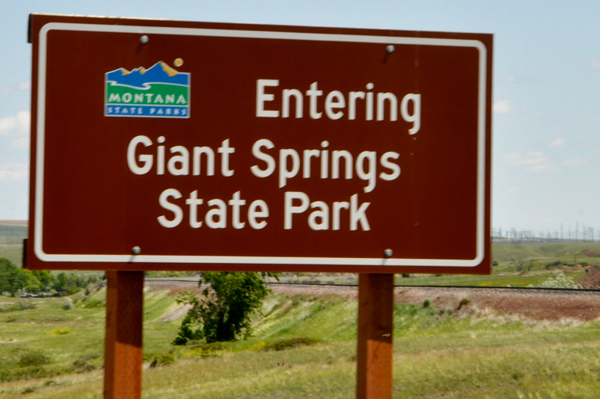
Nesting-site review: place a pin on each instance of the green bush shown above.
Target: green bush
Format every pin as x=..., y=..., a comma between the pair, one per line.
x=463, y=302
x=25, y=304
x=519, y=268
x=162, y=360
x=81, y=366
x=211, y=347
x=554, y=264
x=68, y=304
x=72, y=283
x=224, y=312
x=33, y=358
x=13, y=279
x=32, y=372
x=290, y=343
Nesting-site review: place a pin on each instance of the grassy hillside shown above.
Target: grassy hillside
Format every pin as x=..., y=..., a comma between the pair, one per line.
x=11, y=242
x=568, y=252
x=12, y=235
x=498, y=279
x=14, y=253
x=436, y=354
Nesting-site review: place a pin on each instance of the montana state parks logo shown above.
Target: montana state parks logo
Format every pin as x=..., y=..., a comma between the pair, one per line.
x=157, y=92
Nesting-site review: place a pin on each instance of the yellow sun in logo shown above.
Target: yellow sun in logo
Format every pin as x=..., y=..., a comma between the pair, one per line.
x=178, y=62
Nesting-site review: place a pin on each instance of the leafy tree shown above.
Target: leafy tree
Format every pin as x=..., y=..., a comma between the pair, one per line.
x=187, y=332
x=223, y=313
x=8, y=272
x=61, y=282
x=71, y=283
x=27, y=281
x=13, y=278
x=44, y=277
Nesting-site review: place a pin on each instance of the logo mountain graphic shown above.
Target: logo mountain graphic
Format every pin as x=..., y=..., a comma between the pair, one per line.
x=157, y=92
x=141, y=77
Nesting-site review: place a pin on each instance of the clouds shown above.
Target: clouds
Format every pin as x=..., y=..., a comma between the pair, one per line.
x=502, y=107
x=14, y=171
x=595, y=63
x=20, y=143
x=512, y=78
x=559, y=142
x=533, y=161
x=575, y=161
x=15, y=125
x=538, y=161
x=23, y=86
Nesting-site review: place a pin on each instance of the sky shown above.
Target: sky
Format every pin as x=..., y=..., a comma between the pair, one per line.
x=546, y=88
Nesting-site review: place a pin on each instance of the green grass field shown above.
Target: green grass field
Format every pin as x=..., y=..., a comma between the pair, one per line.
x=49, y=352
x=436, y=355
x=14, y=253
x=499, y=279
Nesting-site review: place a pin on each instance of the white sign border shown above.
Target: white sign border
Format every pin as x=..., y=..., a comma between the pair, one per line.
x=250, y=34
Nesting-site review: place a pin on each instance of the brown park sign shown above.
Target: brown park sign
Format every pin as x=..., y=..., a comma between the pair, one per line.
x=251, y=147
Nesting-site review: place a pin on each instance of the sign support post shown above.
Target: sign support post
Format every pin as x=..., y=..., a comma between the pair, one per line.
x=123, y=344
x=375, y=328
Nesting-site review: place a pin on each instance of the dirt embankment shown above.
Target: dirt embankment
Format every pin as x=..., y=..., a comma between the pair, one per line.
x=536, y=305
x=533, y=304
x=592, y=278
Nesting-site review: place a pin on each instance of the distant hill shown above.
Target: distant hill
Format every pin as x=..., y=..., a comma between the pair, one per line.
x=23, y=223
x=12, y=232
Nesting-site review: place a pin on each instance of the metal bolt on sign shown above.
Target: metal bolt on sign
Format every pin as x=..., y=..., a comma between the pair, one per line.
x=144, y=39
x=390, y=49
x=388, y=253
x=136, y=250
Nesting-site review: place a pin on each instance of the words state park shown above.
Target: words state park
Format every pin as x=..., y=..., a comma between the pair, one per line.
x=289, y=163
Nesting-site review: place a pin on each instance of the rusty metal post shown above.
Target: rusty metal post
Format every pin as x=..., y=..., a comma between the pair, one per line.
x=375, y=326
x=123, y=345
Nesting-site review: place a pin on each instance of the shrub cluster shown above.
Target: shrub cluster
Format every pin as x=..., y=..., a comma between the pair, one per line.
x=33, y=358
x=290, y=343
x=14, y=279
x=163, y=359
x=223, y=313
